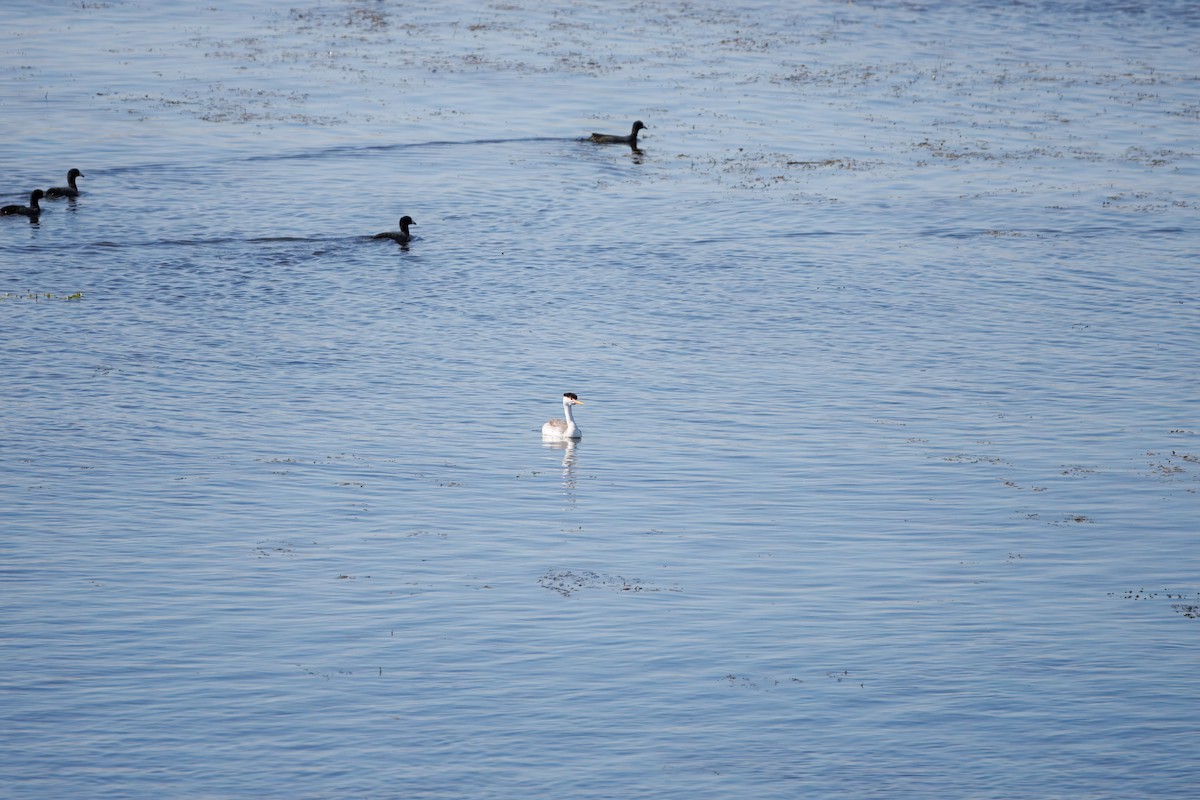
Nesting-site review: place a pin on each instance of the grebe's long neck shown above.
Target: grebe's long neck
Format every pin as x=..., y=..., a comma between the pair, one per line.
x=569, y=415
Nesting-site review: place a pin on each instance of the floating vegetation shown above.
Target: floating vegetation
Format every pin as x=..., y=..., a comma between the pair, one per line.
x=1015, y=485
x=760, y=684
x=38, y=297
x=567, y=582
x=225, y=104
x=840, y=677
x=533, y=473
x=840, y=163
x=1179, y=602
x=969, y=459
x=274, y=547
x=1174, y=467
x=329, y=674
x=1074, y=519
x=417, y=533
x=280, y=548
x=771, y=684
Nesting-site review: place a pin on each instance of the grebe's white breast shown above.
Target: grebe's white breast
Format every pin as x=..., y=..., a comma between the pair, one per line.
x=559, y=430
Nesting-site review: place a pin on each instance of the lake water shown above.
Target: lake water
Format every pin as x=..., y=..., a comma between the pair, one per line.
x=888, y=338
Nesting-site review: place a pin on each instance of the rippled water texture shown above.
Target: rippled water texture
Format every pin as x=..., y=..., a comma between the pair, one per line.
x=887, y=337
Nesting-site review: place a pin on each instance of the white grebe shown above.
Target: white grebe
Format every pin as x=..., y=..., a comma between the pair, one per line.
x=557, y=430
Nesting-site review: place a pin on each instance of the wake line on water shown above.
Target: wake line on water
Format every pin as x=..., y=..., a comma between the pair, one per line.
x=336, y=151
x=231, y=240
x=357, y=150
x=1086, y=232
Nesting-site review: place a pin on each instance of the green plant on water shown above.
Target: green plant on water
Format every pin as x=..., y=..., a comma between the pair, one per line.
x=39, y=296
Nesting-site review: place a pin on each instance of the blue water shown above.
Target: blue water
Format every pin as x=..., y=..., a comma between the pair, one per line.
x=887, y=337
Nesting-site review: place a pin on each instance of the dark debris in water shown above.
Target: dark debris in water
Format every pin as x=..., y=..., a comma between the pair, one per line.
x=1015, y=485
x=771, y=684
x=840, y=163
x=38, y=297
x=1179, y=602
x=760, y=684
x=422, y=532
x=220, y=103
x=972, y=459
x=1174, y=467
x=326, y=674
x=566, y=582
x=274, y=547
x=1073, y=519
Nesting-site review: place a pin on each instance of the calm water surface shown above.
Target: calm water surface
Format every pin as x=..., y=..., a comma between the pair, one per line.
x=887, y=337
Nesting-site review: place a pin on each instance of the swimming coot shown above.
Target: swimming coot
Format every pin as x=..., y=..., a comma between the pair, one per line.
x=608, y=138
x=70, y=190
x=402, y=236
x=32, y=210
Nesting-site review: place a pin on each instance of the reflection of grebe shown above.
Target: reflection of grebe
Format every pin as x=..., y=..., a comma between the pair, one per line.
x=557, y=430
x=568, y=464
x=568, y=467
